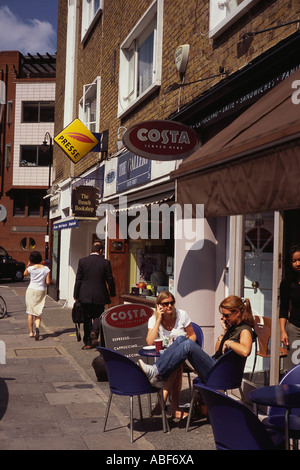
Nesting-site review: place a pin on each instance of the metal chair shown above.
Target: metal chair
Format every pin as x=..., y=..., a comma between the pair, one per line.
x=187, y=368
x=226, y=374
x=262, y=328
x=276, y=416
x=126, y=378
x=234, y=426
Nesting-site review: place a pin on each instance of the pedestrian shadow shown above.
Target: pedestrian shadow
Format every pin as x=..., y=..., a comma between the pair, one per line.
x=58, y=333
x=3, y=397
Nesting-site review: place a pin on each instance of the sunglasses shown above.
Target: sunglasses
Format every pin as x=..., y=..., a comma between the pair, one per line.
x=165, y=304
x=227, y=315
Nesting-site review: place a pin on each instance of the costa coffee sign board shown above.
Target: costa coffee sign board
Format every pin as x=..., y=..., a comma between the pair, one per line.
x=161, y=140
x=125, y=328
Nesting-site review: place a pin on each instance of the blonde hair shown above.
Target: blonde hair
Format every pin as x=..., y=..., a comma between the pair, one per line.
x=233, y=303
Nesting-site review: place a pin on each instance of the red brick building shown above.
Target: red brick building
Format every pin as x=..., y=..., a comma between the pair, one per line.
x=27, y=115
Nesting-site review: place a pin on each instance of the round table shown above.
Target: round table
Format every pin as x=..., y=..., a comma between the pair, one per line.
x=283, y=396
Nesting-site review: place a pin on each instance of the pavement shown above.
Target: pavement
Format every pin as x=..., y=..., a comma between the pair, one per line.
x=50, y=398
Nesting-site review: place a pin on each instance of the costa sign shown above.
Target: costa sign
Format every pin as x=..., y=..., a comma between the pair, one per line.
x=127, y=316
x=161, y=140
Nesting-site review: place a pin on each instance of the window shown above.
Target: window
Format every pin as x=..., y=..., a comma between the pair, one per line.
x=222, y=13
x=27, y=244
x=9, y=112
x=91, y=10
x=19, y=205
x=7, y=155
x=34, y=111
x=34, y=203
x=34, y=155
x=89, y=106
x=140, y=59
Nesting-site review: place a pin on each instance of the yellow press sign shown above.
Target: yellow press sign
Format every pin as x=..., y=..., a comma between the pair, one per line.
x=76, y=140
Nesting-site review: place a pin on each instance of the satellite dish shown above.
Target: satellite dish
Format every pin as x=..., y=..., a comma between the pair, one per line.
x=3, y=213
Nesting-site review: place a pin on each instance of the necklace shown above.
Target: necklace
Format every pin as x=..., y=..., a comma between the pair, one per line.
x=167, y=327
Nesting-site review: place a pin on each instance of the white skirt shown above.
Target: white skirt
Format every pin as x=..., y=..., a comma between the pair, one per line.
x=35, y=301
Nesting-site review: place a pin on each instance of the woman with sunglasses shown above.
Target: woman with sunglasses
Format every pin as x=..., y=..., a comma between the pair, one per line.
x=237, y=323
x=169, y=322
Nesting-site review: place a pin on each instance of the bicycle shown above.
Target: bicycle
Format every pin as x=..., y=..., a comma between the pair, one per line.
x=3, y=307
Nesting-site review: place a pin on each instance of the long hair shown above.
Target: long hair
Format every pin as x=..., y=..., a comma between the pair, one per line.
x=233, y=303
x=290, y=274
x=164, y=294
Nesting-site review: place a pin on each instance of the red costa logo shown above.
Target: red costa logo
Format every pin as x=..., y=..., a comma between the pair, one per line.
x=161, y=140
x=128, y=315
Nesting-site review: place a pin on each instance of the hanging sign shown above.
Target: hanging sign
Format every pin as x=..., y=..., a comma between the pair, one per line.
x=161, y=140
x=76, y=140
x=85, y=200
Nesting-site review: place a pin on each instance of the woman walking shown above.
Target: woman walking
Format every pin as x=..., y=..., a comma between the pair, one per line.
x=36, y=292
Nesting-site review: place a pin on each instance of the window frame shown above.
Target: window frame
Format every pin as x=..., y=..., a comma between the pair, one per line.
x=39, y=148
x=39, y=105
x=89, y=90
x=89, y=16
x=152, y=21
x=219, y=21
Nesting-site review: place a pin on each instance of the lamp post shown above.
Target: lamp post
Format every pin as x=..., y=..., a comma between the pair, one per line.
x=45, y=144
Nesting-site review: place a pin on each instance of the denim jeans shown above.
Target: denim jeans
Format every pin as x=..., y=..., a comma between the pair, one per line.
x=182, y=349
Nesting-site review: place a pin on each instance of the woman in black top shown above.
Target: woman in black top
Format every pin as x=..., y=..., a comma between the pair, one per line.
x=289, y=313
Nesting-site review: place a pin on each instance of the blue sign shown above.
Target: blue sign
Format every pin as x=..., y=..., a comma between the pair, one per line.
x=67, y=224
x=132, y=170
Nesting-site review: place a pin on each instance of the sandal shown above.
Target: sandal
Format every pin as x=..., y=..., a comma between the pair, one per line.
x=31, y=335
x=179, y=415
x=37, y=334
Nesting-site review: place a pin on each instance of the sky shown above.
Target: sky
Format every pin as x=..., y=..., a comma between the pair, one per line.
x=28, y=26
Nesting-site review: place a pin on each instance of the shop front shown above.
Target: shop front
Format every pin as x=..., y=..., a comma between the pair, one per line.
x=246, y=177
x=140, y=244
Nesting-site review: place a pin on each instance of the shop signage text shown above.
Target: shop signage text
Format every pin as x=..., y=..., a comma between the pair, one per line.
x=161, y=140
x=132, y=170
x=84, y=201
x=76, y=140
x=125, y=328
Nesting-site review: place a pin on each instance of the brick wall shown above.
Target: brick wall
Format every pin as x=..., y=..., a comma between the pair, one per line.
x=184, y=22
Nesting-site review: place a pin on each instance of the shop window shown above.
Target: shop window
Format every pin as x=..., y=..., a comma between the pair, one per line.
x=89, y=105
x=28, y=244
x=91, y=10
x=222, y=13
x=34, y=155
x=141, y=59
x=35, y=111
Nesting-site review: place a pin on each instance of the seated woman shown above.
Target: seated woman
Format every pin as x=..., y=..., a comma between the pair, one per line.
x=237, y=321
x=169, y=322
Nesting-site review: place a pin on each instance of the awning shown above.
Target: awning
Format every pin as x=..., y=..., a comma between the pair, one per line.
x=252, y=165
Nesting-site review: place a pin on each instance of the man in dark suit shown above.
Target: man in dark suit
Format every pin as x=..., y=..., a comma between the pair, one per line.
x=94, y=285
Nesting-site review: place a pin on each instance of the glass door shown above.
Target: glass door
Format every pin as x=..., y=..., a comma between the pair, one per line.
x=258, y=278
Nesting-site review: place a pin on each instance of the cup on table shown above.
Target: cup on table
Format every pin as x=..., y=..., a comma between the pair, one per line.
x=158, y=344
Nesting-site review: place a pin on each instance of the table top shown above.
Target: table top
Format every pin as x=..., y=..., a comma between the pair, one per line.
x=149, y=352
x=285, y=395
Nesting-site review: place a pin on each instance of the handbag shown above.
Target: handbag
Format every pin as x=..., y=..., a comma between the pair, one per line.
x=77, y=317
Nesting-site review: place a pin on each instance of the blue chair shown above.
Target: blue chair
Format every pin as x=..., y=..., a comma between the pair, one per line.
x=126, y=378
x=234, y=426
x=187, y=368
x=276, y=416
x=226, y=374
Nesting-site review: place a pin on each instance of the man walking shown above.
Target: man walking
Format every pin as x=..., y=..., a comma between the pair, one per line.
x=94, y=285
